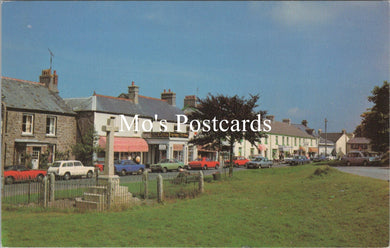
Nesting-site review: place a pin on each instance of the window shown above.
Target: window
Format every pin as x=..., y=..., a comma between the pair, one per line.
x=51, y=125
x=27, y=126
x=295, y=141
x=266, y=140
x=276, y=140
x=283, y=139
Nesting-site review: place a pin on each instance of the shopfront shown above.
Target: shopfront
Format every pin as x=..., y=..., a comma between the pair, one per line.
x=126, y=148
x=164, y=145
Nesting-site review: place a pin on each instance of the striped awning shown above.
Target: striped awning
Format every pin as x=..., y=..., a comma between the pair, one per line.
x=126, y=144
x=262, y=147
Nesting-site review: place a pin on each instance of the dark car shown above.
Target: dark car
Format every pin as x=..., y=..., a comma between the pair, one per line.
x=299, y=160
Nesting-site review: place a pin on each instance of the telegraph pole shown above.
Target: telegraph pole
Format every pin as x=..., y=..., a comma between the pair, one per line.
x=326, y=137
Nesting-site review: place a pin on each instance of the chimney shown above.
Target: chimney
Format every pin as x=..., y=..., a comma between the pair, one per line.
x=319, y=132
x=344, y=131
x=271, y=118
x=304, y=122
x=133, y=92
x=287, y=121
x=190, y=101
x=49, y=80
x=169, y=96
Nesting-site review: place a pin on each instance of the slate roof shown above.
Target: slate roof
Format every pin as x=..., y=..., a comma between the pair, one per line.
x=359, y=140
x=306, y=129
x=146, y=107
x=27, y=95
x=286, y=129
x=334, y=137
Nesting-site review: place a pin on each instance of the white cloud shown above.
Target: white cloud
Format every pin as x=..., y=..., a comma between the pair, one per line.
x=296, y=112
x=304, y=13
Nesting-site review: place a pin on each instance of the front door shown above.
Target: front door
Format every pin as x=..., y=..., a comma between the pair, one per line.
x=35, y=157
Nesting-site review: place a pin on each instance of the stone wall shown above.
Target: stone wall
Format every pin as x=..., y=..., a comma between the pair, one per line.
x=64, y=138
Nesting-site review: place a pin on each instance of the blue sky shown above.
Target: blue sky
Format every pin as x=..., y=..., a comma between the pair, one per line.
x=306, y=60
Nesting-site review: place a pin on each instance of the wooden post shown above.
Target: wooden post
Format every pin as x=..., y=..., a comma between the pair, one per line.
x=201, y=182
x=160, y=189
x=52, y=189
x=145, y=179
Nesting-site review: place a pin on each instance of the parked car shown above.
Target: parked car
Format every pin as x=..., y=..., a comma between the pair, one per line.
x=166, y=165
x=124, y=167
x=67, y=169
x=259, y=162
x=320, y=158
x=237, y=161
x=19, y=173
x=299, y=160
x=99, y=165
x=203, y=163
x=356, y=158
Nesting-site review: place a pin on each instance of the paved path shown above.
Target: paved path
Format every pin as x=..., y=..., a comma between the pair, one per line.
x=374, y=172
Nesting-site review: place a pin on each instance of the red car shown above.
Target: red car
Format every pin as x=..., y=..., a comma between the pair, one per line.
x=203, y=163
x=18, y=173
x=237, y=161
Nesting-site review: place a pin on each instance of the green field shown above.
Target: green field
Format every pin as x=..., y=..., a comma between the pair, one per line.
x=290, y=206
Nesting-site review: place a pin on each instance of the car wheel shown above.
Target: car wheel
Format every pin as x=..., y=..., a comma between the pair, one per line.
x=67, y=176
x=236, y=165
x=179, y=168
x=364, y=163
x=123, y=173
x=216, y=166
x=348, y=163
x=89, y=174
x=9, y=180
x=205, y=167
x=140, y=171
x=40, y=178
x=164, y=170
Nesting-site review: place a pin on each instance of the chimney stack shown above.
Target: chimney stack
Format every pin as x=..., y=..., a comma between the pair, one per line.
x=190, y=101
x=304, y=122
x=319, y=132
x=169, y=96
x=49, y=80
x=133, y=92
x=271, y=118
x=287, y=121
x=344, y=131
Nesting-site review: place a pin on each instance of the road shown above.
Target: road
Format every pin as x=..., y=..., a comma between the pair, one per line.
x=374, y=172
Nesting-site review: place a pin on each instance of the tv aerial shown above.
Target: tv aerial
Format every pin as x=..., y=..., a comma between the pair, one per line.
x=51, y=57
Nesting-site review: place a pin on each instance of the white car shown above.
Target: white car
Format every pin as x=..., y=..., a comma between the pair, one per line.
x=70, y=168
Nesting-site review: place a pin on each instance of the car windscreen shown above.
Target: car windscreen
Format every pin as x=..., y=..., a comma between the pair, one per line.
x=56, y=164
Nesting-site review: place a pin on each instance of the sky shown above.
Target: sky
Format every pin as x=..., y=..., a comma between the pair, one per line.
x=306, y=60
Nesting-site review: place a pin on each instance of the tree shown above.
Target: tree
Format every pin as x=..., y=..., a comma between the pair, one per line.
x=234, y=110
x=375, y=121
x=87, y=146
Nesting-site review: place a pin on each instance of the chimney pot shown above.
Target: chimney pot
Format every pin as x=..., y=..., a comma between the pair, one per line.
x=49, y=80
x=170, y=97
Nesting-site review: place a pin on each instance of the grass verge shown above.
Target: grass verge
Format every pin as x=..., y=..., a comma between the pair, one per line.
x=291, y=206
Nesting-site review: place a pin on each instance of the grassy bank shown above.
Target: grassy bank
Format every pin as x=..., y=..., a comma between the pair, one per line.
x=292, y=206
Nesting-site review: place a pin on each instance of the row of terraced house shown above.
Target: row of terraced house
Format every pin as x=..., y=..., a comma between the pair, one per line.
x=37, y=125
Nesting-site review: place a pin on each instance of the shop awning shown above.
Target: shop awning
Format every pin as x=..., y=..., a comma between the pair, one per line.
x=313, y=149
x=204, y=149
x=262, y=147
x=126, y=144
x=302, y=148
